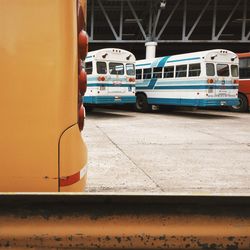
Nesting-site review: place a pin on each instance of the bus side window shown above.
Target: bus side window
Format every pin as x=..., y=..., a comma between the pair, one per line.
x=169, y=72
x=210, y=69
x=101, y=68
x=194, y=69
x=147, y=73
x=130, y=69
x=244, y=68
x=138, y=73
x=181, y=71
x=234, y=71
x=157, y=72
x=88, y=68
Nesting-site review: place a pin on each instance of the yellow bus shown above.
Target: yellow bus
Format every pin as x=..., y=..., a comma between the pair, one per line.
x=42, y=43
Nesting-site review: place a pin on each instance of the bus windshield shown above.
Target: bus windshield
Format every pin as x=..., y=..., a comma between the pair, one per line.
x=222, y=70
x=101, y=68
x=130, y=69
x=116, y=68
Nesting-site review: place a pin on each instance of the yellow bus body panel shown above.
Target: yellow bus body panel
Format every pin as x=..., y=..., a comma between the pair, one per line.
x=71, y=157
x=38, y=97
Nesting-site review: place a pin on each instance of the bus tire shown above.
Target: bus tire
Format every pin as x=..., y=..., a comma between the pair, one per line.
x=243, y=106
x=141, y=103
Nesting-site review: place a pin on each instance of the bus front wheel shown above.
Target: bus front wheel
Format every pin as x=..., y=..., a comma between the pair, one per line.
x=243, y=105
x=141, y=103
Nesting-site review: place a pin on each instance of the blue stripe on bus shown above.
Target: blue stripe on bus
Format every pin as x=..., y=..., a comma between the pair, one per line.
x=185, y=87
x=163, y=61
x=194, y=102
x=108, y=99
x=195, y=87
x=152, y=83
x=189, y=82
x=186, y=59
x=110, y=85
x=144, y=64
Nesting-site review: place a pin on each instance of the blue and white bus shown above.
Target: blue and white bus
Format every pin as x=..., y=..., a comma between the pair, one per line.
x=111, y=77
x=199, y=79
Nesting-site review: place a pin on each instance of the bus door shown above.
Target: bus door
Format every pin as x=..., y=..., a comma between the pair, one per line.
x=117, y=78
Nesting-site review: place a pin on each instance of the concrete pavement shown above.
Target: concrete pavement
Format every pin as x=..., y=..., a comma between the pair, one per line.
x=182, y=151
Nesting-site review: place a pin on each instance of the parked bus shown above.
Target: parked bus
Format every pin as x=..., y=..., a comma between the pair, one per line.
x=41, y=45
x=244, y=84
x=111, y=77
x=200, y=79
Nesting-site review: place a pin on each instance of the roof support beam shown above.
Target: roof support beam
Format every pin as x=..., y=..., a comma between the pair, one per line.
x=198, y=19
x=92, y=20
x=156, y=22
x=214, y=20
x=168, y=19
x=228, y=19
x=108, y=20
x=121, y=21
x=136, y=18
x=184, y=21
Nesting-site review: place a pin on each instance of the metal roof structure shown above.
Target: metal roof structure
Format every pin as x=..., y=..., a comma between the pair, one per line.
x=217, y=23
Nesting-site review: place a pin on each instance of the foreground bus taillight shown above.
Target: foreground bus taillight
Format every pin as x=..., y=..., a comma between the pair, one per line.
x=83, y=44
x=82, y=76
x=82, y=82
x=81, y=116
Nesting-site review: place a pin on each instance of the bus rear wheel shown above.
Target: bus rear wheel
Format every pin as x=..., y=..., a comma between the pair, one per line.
x=141, y=103
x=243, y=105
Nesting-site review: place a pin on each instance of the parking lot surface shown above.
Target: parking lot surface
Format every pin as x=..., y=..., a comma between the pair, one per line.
x=197, y=152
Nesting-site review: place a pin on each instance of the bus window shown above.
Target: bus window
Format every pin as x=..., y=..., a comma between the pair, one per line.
x=147, y=73
x=169, y=72
x=234, y=71
x=88, y=67
x=210, y=69
x=157, y=72
x=244, y=68
x=130, y=69
x=138, y=73
x=222, y=70
x=116, y=69
x=101, y=68
x=181, y=71
x=194, y=69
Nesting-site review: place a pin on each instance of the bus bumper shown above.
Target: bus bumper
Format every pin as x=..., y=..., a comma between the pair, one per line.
x=109, y=99
x=208, y=102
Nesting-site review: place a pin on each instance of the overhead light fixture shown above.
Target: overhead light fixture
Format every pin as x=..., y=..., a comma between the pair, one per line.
x=163, y=4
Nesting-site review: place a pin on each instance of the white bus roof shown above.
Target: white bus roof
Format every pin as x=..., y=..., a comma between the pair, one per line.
x=215, y=55
x=111, y=54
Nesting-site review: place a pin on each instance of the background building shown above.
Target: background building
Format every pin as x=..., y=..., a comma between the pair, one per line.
x=176, y=26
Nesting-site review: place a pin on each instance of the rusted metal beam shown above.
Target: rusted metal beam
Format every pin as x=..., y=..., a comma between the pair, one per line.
x=124, y=221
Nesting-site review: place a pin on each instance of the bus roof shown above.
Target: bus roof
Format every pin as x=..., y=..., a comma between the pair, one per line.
x=207, y=55
x=111, y=54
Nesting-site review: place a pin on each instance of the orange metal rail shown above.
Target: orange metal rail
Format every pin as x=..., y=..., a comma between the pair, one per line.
x=118, y=222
